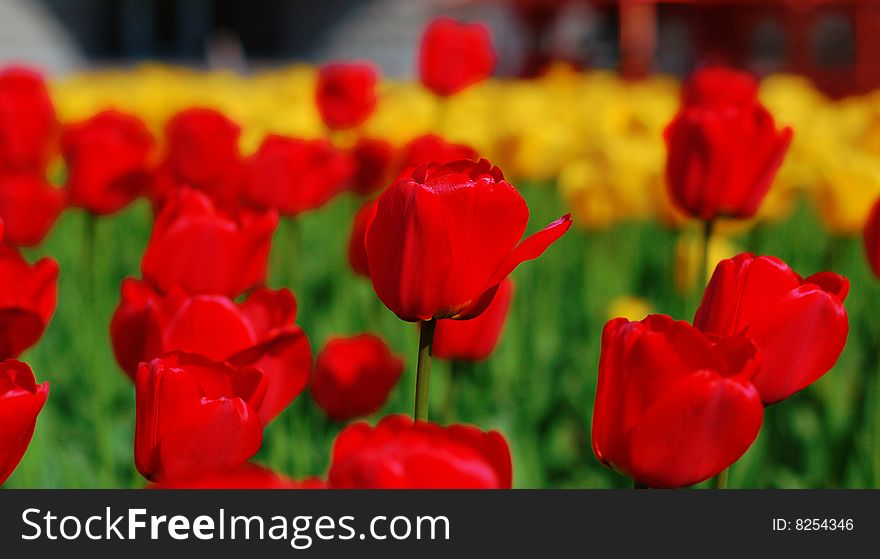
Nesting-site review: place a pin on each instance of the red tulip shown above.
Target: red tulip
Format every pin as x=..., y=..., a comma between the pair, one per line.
x=27, y=122
x=799, y=324
x=357, y=250
x=195, y=416
x=202, y=152
x=474, y=339
x=346, y=94
x=108, y=161
x=444, y=238
x=723, y=146
x=294, y=176
x=248, y=476
x=872, y=238
x=29, y=206
x=353, y=376
x=205, y=250
x=258, y=332
x=673, y=406
x=433, y=149
x=400, y=454
x=21, y=400
x=372, y=160
x=27, y=300
x=455, y=55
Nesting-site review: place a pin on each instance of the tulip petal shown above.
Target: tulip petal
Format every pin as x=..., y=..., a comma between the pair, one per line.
x=532, y=247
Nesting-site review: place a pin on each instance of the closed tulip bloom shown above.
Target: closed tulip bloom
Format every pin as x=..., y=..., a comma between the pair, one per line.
x=799, y=324
x=723, y=147
x=346, y=94
x=872, y=238
x=433, y=149
x=455, y=55
x=108, y=161
x=29, y=206
x=258, y=332
x=27, y=122
x=357, y=250
x=353, y=376
x=205, y=249
x=28, y=295
x=372, y=159
x=474, y=339
x=674, y=407
x=401, y=454
x=444, y=237
x=21, y=400
x=202, y=152
x=195, y=416
x=248, y=476
x=293, y=175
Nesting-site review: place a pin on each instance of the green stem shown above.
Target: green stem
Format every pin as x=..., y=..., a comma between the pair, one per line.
x=423, y=370
x=720, y=481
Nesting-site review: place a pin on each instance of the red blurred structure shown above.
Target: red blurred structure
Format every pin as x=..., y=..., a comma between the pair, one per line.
x=727, y=30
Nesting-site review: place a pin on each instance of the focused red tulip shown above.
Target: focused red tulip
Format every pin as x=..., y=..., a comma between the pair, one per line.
x=195, y=416
x=27, y=122
x=248, y=476
x=372, y=160
x=799, y=324
x=723, y=148
x=346, y=94
x=446, y=236
x=202, y=152
x=27, y=300
x=258, y=332
x=872, y=238
x=205, y=249
x=357, y=250
x=108, y=161
x=474, y=339
x=455, y=55
x=29, y=206
x=433, y=149
x=294, y=176
x=353, y=376
x=21, y=400
x=401, y=454
x=674, y=407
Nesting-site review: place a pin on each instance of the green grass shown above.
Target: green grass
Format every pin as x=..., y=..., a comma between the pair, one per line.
x=537, y=388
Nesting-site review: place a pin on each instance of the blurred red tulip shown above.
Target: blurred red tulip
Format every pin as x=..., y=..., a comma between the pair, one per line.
x=353, y=376
x=204, y=249
x=474, y=339
x=433, y=149
x=202, y=152
x=346, y=94
x=872, y=239
x=27, y=122
x=723, y=146
x=443, y=239
x=357, y=250
x=294, y=176
x=259, y=332
x=248, y=476
x=455, y=55
x=29, y=206
x=372, y=160
x=108, y=161
x=27, y=300
x=400, y=454
x=673, y=406
x=799, y=324
x=195, y=416
x=21, y=400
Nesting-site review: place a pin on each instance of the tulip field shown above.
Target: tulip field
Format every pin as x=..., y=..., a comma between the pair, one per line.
x=261, y=277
